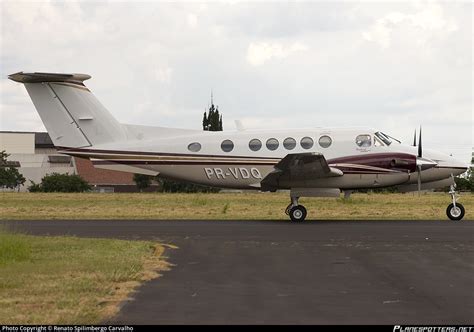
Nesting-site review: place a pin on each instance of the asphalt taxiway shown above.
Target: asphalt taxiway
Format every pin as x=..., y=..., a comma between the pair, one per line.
x=276, y=272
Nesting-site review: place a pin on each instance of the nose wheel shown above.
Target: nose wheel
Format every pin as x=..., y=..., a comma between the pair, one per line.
x=296, y=212
x=455, y=210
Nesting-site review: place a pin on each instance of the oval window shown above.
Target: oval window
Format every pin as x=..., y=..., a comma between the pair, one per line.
x=194, y=147
x=307, y=143
x=364, y=141
x=325, y=141
x=272, y=144
x=227, y=145
x=289, y=143
x=255, y=144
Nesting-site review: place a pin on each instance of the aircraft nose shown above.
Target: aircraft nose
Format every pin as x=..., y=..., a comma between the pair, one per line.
x=456, y=166
x=446, y=165
x=464, y=167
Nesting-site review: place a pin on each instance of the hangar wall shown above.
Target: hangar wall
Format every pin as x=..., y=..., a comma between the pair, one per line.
x=37, y=157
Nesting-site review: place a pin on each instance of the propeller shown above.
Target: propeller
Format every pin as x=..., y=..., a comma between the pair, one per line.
x=420, y=155
x=420, y=149
x=421, y=163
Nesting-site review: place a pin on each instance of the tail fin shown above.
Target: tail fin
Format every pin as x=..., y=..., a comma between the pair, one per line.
x=70, y=112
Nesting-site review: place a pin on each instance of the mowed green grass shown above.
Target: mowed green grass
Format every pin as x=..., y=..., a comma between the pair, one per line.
x=67, y=280
x=246, y=206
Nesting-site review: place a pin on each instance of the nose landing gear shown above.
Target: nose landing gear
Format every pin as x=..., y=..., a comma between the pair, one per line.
x=296, y=212
x=455, y=211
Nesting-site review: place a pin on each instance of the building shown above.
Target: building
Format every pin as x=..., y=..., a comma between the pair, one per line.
x=104, y=180
x=35, y=156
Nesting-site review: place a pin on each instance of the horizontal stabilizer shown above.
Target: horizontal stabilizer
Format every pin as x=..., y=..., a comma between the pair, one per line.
x=48, y=77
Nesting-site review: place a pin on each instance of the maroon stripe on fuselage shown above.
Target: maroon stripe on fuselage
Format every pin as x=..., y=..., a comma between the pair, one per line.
x=180, y=162
x=390, y=162
x=141, y=153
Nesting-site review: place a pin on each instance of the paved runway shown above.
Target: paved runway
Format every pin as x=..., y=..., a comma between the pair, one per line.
x=253, y=272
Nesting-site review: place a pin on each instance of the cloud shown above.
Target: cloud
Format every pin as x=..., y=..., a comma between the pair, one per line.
x=429, y=20
x=192, y=20
x=390, y=65
x=259, y=53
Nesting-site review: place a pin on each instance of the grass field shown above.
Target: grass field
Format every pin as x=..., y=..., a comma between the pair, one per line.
x=430, y=206
x=66, y=280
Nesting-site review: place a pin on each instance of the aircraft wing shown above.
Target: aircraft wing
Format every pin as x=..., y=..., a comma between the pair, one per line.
x=298, y=166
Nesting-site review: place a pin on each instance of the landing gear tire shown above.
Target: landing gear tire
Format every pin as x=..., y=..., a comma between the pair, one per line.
x=455, y=213
x=298, y=213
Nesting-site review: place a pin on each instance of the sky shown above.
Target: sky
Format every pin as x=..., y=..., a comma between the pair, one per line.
x=392, y=66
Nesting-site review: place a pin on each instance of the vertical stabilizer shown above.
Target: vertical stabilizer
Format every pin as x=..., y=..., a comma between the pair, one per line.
x=73, y=116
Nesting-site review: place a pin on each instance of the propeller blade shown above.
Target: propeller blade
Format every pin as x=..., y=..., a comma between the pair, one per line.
x=419, y=180
x=414, y=139
x=420, y=149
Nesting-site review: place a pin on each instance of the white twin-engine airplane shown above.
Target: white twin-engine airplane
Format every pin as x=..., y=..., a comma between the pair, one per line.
x=308, y=162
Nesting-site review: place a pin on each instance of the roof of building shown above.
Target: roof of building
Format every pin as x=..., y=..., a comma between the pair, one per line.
x=15, y=132
x=42, y=139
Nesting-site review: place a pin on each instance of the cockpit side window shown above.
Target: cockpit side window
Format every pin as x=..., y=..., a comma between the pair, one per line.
x=364, y=141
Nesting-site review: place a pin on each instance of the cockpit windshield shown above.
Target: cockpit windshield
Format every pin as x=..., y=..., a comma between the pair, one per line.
x=387, y=139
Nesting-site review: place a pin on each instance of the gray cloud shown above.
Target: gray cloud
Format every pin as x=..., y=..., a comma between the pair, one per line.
x=387, y=65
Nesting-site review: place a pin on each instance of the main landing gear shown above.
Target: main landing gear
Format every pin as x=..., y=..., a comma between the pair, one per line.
x=455, y=211
x=296, y=212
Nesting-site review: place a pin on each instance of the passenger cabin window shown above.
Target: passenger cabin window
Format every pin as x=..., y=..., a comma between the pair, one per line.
x=289, y=143
x=194, y=147
x=364, y=141
x=227, y=145
x=306, y=143
x=255, y=144
x=272, y=144
x=325, y=141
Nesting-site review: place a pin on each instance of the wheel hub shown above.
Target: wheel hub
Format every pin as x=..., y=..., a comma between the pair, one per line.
x=297, y=214
x=455, y=211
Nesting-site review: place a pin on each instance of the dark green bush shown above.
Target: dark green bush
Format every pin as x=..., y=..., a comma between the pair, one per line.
x=172, y=186
x=64, y=183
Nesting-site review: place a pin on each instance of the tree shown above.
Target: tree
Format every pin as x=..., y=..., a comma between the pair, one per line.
x=213, y=120
x=143, y=181
x=465, y=181
x=56, y=182
x=205, y=124
x=10, y=177
x=470, y=176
